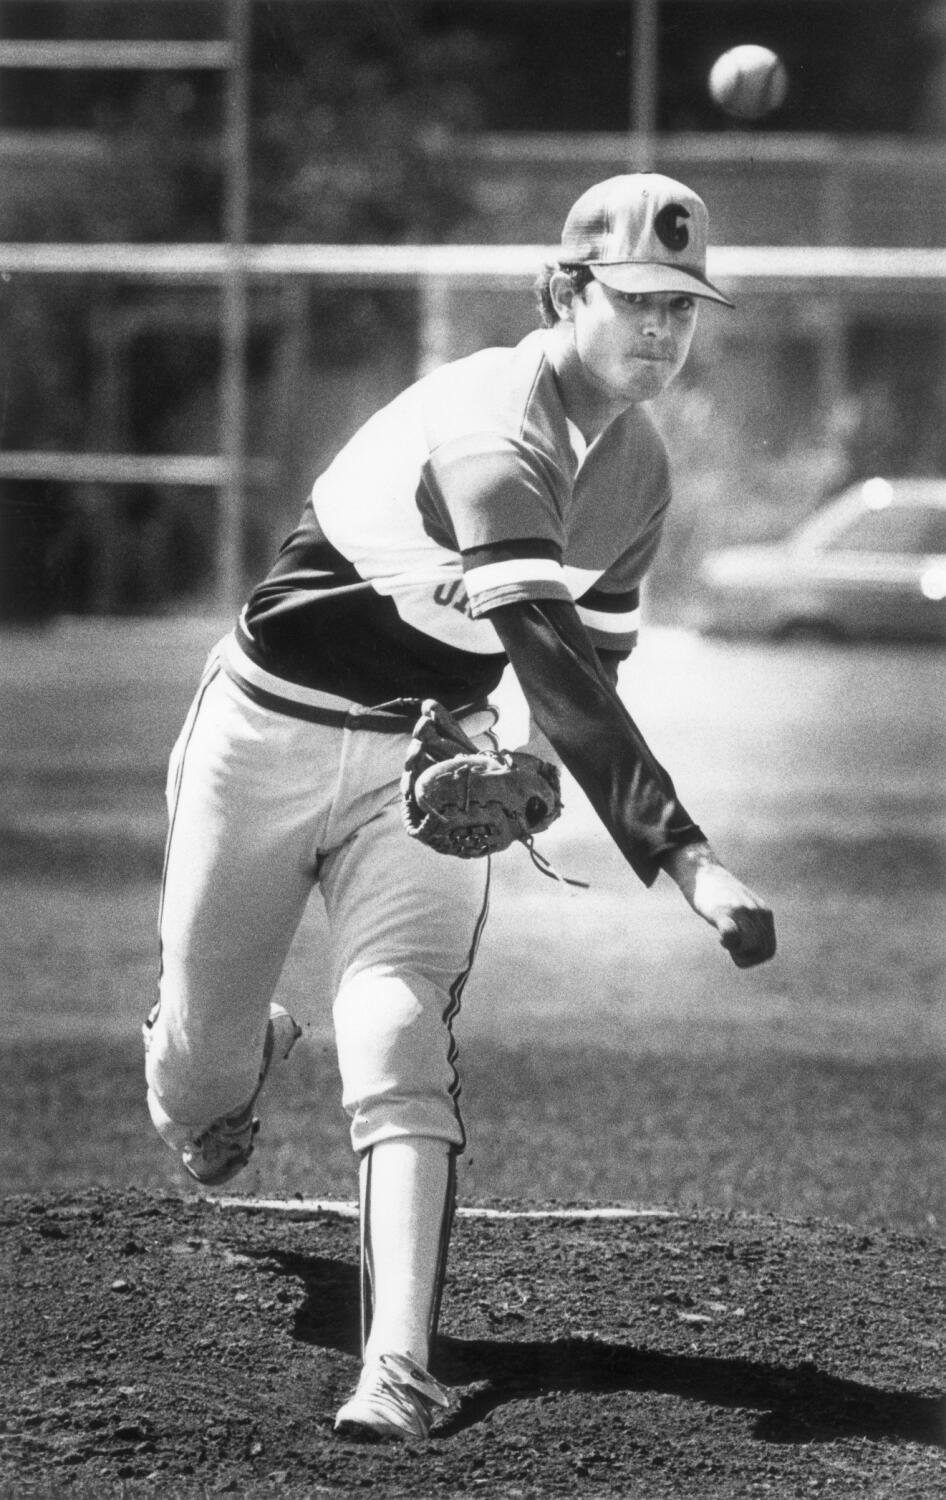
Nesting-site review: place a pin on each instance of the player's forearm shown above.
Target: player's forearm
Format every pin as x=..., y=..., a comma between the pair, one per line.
x=579, y=711
x=538, y=743
x=685, y=864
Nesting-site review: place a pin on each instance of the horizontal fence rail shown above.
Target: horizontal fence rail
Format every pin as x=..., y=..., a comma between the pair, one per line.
x=200, y=470
x=766, y=265
x=428, y=267
x=95, y=55
x=829, y=273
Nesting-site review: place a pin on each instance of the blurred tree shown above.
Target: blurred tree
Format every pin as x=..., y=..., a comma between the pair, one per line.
x=348, y=104
x=931, y=116
x=855, y=65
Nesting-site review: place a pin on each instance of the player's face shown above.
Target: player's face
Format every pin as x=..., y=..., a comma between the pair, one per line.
x=631, y=345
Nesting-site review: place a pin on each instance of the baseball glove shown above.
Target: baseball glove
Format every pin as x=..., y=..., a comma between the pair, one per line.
x=460, y=800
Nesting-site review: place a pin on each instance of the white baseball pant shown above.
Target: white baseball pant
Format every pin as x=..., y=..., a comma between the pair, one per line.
x=264, y=805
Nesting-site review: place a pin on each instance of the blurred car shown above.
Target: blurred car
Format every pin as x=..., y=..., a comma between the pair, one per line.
x=871, y=564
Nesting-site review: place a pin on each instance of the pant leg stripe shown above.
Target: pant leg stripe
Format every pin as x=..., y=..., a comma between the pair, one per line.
x=452, y=1009
x=443, y=1249
x=211, y=672
x=364, y=1249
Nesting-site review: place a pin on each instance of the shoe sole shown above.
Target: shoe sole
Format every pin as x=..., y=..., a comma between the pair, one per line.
x=363, y=1432
x=233, y=1167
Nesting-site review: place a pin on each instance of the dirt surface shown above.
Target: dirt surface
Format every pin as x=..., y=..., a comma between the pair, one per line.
x=167, y=1345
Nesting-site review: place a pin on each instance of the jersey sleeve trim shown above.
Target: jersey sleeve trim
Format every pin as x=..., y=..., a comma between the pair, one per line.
x=626, y=623
x=613, y=620
x=486, y=576
x=507, y=571
x=491, y=584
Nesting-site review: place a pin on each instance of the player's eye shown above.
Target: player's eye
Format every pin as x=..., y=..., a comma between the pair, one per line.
x=683, y=304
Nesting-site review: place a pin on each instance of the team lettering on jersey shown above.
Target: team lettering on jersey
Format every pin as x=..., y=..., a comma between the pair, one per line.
x=452, y=596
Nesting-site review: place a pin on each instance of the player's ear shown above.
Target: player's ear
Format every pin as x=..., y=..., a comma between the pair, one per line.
x=562, y=294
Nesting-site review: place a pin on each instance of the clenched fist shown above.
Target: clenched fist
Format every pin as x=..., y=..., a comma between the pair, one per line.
x=745, y=924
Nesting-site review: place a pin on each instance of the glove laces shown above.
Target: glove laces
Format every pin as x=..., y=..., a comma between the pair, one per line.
x=545, y=867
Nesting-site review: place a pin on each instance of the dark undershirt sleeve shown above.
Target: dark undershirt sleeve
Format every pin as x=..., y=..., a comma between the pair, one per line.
x=610, y=664
x=578, y=710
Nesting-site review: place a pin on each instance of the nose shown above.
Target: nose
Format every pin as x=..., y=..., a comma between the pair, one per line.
x=655, y=319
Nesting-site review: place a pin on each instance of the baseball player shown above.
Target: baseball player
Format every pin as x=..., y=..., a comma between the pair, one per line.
x=504, y=509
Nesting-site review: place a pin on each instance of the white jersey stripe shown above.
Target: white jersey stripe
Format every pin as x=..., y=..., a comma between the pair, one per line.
x=610, y=624
x=523, y=570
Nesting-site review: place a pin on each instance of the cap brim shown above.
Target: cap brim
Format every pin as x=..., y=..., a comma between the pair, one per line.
x=637, y=276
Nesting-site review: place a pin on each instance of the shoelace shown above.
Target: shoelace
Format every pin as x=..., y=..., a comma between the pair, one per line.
x=408, y=1381
x=416, y=1379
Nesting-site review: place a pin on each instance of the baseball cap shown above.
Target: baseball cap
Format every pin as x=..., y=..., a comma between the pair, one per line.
x=641, y=232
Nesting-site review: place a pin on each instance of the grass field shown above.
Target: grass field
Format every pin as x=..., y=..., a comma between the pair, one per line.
x=609, y=1050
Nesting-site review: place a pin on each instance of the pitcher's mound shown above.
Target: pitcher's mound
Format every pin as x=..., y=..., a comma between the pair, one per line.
x=174, y=1347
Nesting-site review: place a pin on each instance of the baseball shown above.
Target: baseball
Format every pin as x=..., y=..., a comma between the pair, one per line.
x=748, y=81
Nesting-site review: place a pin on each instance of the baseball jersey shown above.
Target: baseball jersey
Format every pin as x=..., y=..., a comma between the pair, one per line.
x=470, y=490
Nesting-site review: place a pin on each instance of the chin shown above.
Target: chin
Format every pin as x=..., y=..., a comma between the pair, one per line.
x=645, y=384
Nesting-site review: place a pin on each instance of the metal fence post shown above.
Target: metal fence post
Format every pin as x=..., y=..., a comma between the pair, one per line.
x=644, y=74
x=233, y=413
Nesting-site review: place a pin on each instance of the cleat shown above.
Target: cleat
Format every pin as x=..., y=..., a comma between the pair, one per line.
x=395, y=1398
x=225, y=1147
x=223, y=1150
